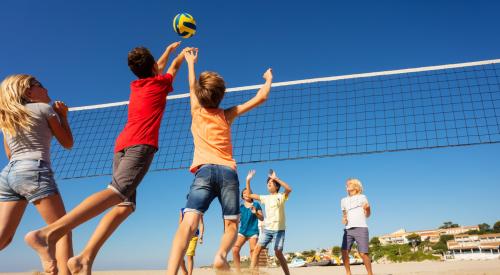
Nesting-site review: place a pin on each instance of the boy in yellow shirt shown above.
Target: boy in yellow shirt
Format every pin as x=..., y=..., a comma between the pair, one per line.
x=274, y=222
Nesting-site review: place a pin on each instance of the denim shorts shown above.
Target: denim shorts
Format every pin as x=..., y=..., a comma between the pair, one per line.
x=358, y=235
x=268, y=235
x=215, y=181
x=29, y=180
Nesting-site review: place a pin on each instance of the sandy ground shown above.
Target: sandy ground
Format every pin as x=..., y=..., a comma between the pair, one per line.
x=439, y=268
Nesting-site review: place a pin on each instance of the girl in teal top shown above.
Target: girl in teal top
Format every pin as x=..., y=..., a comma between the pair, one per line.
x=251, y=213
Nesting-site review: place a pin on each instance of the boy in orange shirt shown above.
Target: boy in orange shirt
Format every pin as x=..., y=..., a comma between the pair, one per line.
x=213, y=163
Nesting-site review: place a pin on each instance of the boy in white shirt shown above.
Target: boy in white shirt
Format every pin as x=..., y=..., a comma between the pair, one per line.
x=355, y=211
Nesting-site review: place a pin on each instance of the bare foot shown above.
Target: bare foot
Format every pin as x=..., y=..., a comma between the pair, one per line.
x=38, y=242
x=221, y=264
x=79, y=266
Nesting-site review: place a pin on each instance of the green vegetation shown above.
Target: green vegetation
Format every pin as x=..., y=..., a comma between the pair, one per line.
x=447, y=225
x=401, y=253
x=485, y=228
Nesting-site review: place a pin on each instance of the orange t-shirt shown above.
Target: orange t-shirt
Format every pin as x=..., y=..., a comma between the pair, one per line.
x=212, y=139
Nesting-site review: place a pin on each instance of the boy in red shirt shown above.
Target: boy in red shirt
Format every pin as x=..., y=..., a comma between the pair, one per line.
x=134, y=151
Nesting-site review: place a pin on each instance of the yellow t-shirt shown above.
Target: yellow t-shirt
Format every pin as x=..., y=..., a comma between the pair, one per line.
x=275, y=211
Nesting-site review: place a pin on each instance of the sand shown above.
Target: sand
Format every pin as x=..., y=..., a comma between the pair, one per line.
x=491, y=267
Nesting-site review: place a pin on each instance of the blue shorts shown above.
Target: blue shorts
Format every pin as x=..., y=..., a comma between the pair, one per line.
x=215, y=181
x=29, y=180
x=358, y=235
x=268, y=235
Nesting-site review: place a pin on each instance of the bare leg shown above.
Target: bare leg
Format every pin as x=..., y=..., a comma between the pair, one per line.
x=181, y=240
x=11, y=213
x=282, y=260
x=82, y=264
x=368, y=262
x=43, y=240
x=51, y=208
x=183, y=267
x=227, y=241
x=253, y=244
x=345, y=258
x=240, y=241
x=255, y=257
x=190, y=265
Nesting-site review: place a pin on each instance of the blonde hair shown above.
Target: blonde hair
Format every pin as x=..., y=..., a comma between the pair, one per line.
x=356, y=184
x=14, y=116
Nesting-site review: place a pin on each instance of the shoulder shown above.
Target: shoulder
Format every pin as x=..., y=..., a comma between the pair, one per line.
x=256, y=204
x=41, y=108
x=165, y=77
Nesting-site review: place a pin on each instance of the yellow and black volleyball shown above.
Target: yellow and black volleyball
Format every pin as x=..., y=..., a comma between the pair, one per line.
x=184, y=25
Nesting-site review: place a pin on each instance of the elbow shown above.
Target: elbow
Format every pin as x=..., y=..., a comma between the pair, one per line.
x=68, y=144
x=262, y=98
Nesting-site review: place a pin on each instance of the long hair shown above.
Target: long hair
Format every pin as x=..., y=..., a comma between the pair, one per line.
x=14, y=116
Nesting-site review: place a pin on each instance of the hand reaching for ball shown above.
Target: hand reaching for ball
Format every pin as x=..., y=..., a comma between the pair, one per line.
x=191, y=55
x=268, y=75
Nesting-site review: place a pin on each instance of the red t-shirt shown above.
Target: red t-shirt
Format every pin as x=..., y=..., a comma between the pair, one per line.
x=148, y=98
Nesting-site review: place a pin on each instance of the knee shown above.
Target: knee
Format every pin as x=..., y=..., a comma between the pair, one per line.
x=125, y=210
x=236, y=250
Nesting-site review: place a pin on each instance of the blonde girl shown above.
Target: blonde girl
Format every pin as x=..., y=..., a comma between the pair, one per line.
x=28, y=123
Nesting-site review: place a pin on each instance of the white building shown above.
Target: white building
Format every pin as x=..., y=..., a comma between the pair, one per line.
x=474, y=247
x=433, y=235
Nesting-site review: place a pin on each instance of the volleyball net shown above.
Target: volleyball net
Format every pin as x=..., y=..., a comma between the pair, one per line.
x=410, y=109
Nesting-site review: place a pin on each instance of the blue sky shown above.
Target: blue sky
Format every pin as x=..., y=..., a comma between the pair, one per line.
x=78, y=50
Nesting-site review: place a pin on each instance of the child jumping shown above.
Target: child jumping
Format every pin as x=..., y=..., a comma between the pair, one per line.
x=28, y=123
x=274, y=223
x=251, y=214
x=134, y=151
x=355, y=210
x=213, y=163
x=193, y=243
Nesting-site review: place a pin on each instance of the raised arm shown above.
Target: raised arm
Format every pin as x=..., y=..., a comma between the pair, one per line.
x=176, y=64
x=285, y=185
x=60, y=127
x=257, y=100
x=250, y=175
x=258, y=213
x=162, y=61
x=191, y=57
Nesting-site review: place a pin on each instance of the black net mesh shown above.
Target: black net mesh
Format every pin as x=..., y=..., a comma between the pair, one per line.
x=406, y=111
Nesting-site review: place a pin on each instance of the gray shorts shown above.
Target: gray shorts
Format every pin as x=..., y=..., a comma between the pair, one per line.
x=358, y=234
x=130, y=165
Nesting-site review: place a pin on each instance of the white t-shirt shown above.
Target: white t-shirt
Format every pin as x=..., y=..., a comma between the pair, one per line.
x=353, y=205
x=275, y=211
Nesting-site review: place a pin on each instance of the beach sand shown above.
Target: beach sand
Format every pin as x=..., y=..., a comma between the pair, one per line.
x=491, y=267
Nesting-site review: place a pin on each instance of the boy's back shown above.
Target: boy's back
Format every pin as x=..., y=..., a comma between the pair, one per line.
x=145, y=111
x=212, y=138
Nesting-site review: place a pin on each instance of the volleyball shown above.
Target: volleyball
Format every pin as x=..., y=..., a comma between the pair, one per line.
x=184, y=25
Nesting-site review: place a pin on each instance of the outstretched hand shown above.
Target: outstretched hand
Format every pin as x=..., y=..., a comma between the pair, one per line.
x=250, y=175
x=268, y=75
x=172, y=47
x=60, y=108
x=272, y=175
x=191, y=55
